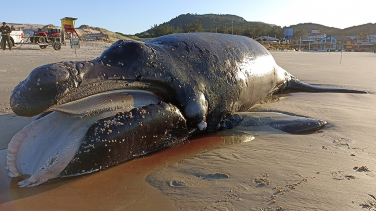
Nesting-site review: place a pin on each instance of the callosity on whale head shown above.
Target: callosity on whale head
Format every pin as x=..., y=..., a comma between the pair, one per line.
x=137, y=98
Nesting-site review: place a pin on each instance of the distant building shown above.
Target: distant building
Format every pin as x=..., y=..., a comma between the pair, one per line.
x=267, y=39
x=322, y=42
x=365, y=44
x=369, y=39
x=334, y=43
x=289, y=34
x=316, y=36
x=352, y=37
x=344, y=43
x=372, y=38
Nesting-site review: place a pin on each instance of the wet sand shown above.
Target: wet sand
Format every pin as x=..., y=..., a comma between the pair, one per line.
x=238, y=170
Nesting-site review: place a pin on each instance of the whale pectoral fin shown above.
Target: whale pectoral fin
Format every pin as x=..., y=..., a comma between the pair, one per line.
x=279, y=121
x=296, y=85
x=126, y=136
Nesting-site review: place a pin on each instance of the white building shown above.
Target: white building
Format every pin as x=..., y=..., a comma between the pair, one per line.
x=267, y=39
x=315, y=35
x=372, y=38
x=352, y=37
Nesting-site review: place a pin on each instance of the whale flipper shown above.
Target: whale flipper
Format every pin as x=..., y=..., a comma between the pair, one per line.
x=126, y=136
x=279, y=121
x=299, y=86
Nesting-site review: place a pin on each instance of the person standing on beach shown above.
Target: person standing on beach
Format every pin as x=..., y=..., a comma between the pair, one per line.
x=5, y=34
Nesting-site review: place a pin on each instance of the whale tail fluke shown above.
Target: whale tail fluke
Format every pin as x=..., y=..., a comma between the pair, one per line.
x=299, y=86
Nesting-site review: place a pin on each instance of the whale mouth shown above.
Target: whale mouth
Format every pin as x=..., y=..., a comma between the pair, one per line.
x=121, y=100
x=46, y=146
x=27, y=100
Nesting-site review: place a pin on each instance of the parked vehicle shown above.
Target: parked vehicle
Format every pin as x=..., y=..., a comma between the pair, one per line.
x=16, y=37
x=52, y=35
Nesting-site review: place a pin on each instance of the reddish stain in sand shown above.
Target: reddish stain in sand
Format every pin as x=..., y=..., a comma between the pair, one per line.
x=119, y=187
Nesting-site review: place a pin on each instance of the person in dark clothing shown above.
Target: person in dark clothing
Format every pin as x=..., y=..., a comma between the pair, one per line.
x=5, y=34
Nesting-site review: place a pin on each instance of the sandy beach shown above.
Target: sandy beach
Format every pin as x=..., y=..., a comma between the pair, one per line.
x=262, y=169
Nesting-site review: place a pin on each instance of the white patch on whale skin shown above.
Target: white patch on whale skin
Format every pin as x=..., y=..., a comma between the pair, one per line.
x=261, y=66
x=124, y=100
x=255, y=67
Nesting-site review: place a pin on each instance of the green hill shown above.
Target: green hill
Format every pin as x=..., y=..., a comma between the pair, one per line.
x=225, y=23
x=368, y=28
x=210, y=23
x=313, y=26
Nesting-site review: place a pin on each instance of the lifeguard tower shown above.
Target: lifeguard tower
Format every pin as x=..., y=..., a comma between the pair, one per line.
x=67, y=25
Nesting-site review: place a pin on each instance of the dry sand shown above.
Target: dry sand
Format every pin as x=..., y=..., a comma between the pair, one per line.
x=333, y=169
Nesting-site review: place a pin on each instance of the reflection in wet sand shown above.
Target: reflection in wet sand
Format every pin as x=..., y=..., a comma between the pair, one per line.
x=119, y=188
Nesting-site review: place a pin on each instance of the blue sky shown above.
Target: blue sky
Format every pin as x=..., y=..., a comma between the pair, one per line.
x=130, y=17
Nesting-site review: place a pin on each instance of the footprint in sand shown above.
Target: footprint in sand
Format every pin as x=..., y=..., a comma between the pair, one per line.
x=340, y=175
x=216, y=176
x=175, y=183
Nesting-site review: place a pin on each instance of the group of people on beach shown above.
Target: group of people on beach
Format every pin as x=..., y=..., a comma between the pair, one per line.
x=5, y=36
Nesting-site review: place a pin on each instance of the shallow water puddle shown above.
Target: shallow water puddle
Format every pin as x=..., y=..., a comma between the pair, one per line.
x=121, y=187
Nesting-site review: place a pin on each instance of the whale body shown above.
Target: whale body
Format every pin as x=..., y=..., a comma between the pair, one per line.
x=138, y=98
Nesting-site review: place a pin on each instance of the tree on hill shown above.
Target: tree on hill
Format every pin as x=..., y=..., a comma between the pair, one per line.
x=276, y=31
x=299, y=34
x=362, y=36
x=248, y=33
x=238, y=30
x=260, y=30
x=165, y=29
x=193, y=27
x=222, y=29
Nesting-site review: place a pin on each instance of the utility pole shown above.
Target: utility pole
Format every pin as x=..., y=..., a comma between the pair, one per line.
x=309, y=45
x=232, y=27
